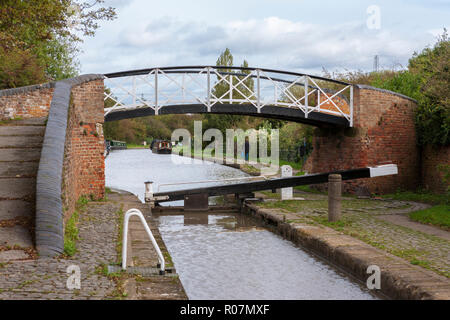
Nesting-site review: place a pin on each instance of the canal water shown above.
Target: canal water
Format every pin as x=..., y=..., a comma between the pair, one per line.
x=227, y=255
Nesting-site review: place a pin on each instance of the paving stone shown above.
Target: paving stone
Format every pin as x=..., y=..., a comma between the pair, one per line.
x=10, y=255
x=16, y=235
x=18, y=155
x=10, y=209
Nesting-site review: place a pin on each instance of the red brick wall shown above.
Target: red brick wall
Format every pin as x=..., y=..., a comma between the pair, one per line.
x=31, y=103
x=84, y=161
x=383, y=132
x=434, y=159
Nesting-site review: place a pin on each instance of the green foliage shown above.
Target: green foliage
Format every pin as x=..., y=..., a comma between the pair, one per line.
x=437, y=215
x=71, y=228
x=137, y=130
x=403, y=82
x=426, y=80
x=221, y=91
x=38, y=38
x=19, y=68
x=432, y=67
x=71, y=235
x=419, y=196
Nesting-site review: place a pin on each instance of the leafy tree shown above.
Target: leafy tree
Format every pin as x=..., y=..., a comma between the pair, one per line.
x=426, y=80
x=38, y=38
x=432, y=67
x=220, y=90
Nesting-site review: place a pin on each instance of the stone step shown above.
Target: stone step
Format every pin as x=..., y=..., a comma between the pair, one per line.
x=28, y=154
x=13, y=255
x=17, y=188
x=15, y=236
x=21, y=141
x=11, y=209
x=22, y=130
x=18, y=169
x=25, y=122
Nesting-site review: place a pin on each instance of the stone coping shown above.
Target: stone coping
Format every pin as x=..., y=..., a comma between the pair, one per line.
x=399, y=279
x=49, y=210
x=363, y=86
x=34, y=87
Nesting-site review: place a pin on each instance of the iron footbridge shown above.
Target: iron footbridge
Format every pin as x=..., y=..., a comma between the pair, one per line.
x=258, y=92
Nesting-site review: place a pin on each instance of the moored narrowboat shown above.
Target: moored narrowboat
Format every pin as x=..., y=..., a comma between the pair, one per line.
x=161, y=146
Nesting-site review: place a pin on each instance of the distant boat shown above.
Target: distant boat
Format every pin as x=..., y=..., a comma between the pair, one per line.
x=161, y=146
x=117, y=145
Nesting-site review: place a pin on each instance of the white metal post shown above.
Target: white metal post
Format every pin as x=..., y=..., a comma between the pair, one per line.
x=134, y=91
x=156, y=92
x=351, y=105
x=258, y=86
x=306, y=97
x=231, y=89
x=318, y=100
x=209, y=88
x=182, y=87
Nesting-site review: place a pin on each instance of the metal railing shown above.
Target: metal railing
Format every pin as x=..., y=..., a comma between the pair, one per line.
x=128, y=215
x=210, y=85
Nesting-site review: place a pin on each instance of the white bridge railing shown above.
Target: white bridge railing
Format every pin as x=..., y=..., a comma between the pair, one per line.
x=210, y=85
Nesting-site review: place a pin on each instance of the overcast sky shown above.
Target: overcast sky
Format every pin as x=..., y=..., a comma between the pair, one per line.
x=296, y=35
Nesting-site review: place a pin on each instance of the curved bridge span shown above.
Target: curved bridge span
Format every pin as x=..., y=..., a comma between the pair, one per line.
x=258, y=92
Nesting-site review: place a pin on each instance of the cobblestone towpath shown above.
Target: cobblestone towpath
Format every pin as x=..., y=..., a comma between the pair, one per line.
x=98, y=247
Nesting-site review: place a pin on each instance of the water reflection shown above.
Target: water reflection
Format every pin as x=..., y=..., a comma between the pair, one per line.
x=129, y=169
x=232, y=257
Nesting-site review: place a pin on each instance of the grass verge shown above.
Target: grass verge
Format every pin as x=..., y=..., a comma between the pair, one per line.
x=120, y=218
x=71, y=229
x=438, y=215
x=421, y=196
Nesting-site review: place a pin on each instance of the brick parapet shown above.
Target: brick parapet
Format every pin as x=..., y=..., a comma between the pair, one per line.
x=63, y=165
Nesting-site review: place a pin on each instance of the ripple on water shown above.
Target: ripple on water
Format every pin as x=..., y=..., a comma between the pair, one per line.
x=215, y=263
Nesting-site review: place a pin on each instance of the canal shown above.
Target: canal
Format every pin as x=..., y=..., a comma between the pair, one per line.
x=226, y=255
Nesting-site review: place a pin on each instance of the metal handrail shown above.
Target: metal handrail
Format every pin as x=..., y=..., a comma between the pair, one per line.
x=185, y=69
x=208, y=181
x=128, y=215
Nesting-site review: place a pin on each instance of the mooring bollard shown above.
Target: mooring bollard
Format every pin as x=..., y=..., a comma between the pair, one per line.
x=334, y=197
x=286, y=193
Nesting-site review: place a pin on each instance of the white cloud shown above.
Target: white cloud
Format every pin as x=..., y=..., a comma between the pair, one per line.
x=270, y=42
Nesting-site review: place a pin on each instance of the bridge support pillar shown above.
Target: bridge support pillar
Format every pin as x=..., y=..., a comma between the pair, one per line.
x=334, y=197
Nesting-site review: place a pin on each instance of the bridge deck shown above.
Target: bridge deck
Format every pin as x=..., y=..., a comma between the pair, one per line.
x=271, y=112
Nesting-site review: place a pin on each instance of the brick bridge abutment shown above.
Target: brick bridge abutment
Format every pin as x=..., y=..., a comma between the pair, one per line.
x=383, y=132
